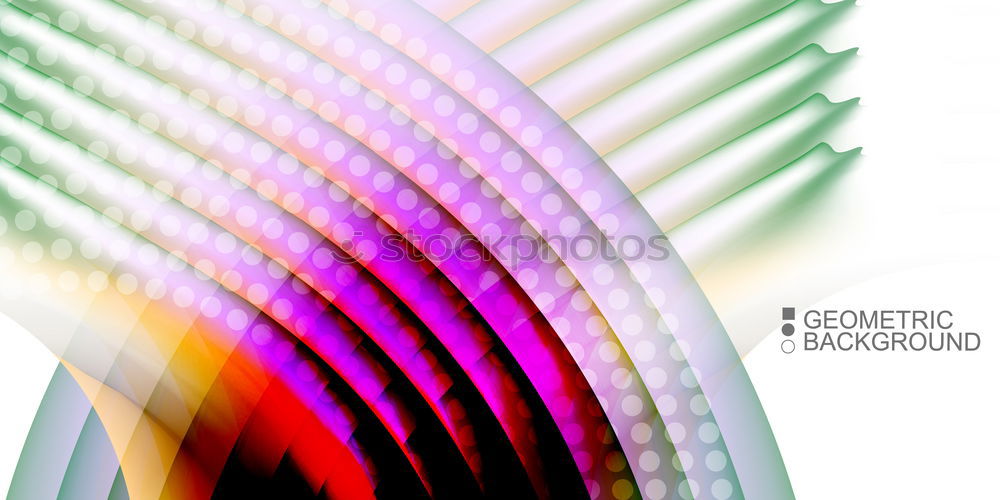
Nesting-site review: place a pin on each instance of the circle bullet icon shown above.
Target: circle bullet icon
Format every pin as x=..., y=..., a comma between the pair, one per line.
x=787, y=346
x=788, y=329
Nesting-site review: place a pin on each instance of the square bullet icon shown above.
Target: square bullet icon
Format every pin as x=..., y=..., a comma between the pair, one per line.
x=787, y=313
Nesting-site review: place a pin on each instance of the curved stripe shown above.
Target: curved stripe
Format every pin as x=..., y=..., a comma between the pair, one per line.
x=798, y=182
x=686, y=83
x=491, y=23
x=713, y=361
x=542, y=192
x=724, y=117
x=52, y=443
x=439, y=322
x=94, y=465
x=255, y=276
x=572, y=33
x=395, y=15
x=645, y=49
x=135, y=451
x=697, y=186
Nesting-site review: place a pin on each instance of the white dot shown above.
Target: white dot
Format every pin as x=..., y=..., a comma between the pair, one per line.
x=427, y=173
x=489, y=142
x=354, y=125
x=595, y=325
x=531, y=182
x=590, y=200
x=282, y=309
x=25, y=220
x=282, y=126
x=715, y=461
x=656, y=489
x=656, y=377
x=298, y=242
x=471, y=213
x=383, y=182
x=666, y=404
x=689, y=489
x=236, y=319
x=183, y=296
x=465, y=80
x=621, y=378
x=488, y=98
x=603, y=274
x=641, y=433
x=257, y=294
x=618, y=298
x=722, y=489
x=449, y=192
x=632, y=405
x=511, y=161
x=552, y=157
x=32, y=251
x=395, y=73
x=444, y=106
x=531, y=136
x=61, y=249
x=211, y=307
x=649, y=461
x=689, y=377
x=403, y=156
x=406, y=199
x=708, y=432
x=551, y=204
x=645, y=350
x=609, y=352
x=699, y=405
x=632, y=324
x=510, y=116
x=683, y=460
x=246, y=216
x=569, y=226
x=677, y=432
x=468, y=123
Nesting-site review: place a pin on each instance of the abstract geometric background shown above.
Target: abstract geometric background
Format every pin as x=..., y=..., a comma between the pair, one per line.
x=278, y=247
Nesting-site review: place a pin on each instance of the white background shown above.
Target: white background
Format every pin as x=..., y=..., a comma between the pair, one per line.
x=854, y=425
x=909, y=425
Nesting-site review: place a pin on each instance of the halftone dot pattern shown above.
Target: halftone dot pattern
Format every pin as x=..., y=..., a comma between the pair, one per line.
x=310, y=211
x=245, y=217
